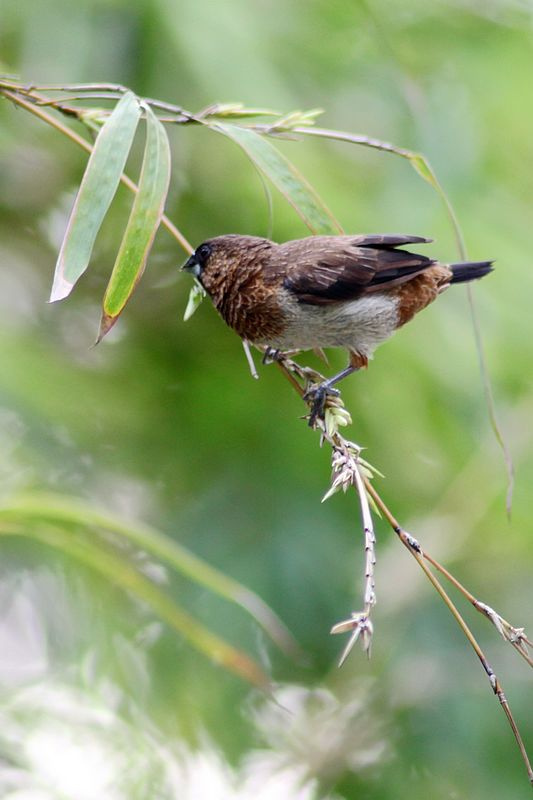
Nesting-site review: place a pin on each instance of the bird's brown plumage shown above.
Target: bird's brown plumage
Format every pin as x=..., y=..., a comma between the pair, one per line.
x=322, y=291
x=327, y=269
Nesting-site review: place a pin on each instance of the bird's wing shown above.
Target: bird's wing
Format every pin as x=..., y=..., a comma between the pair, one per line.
x=326, y=269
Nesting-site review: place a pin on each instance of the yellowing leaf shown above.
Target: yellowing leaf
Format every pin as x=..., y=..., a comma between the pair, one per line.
x=143, y=223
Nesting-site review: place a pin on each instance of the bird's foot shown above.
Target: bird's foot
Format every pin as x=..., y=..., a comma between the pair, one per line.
x=270, y=355
x=316, y=395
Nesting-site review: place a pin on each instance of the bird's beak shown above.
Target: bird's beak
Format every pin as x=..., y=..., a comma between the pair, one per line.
x=192, y=266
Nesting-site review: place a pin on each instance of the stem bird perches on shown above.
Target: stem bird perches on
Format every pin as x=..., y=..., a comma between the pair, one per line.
x=350, y=470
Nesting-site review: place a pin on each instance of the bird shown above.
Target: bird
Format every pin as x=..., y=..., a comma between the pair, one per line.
x=348, y=291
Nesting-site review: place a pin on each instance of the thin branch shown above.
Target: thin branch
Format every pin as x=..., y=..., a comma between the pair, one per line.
x=489, y=400
x=353, y=138
x=511, y=634
x=357, y=623
x=416, y=551
x=81, y=142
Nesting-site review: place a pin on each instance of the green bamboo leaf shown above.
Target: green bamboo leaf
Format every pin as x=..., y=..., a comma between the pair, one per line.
x=145, y=217
x=421, y=165
x=284, y=176
x=99, y=184
x=116, y=568
x=60, y=510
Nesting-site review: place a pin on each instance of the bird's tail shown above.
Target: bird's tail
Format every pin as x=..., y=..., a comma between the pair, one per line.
x=470, y=271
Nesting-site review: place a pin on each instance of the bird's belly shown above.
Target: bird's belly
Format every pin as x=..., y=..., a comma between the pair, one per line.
x=357, y=325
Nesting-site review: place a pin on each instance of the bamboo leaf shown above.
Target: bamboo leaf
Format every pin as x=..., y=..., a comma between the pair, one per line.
x=60, y=510
x=284, y=176
x=421, y=165
x=97, y=189
x=196, y=295
x=145, y=217
x=116, y=568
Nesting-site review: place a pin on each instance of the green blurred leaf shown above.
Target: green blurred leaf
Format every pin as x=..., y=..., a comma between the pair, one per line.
x=284, y=176
x=40, y=507
x=117, y=568
x=99, y=184
x=142, y=225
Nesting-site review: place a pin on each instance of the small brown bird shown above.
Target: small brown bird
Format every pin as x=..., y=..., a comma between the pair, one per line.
x=322, y=291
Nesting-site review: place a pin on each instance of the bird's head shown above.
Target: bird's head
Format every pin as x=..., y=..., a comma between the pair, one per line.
x=220, y=258
x=198, y=261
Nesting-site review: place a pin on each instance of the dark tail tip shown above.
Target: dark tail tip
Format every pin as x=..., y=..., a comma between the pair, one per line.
x=470, y=271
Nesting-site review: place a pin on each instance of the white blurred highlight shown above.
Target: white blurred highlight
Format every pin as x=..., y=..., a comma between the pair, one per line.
x=73, y=739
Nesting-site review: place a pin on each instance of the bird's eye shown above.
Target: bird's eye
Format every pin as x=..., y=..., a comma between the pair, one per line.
x=203, y=253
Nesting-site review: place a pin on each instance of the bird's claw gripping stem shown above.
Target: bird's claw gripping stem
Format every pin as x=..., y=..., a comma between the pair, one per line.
x=316, y=396
x=270, y=355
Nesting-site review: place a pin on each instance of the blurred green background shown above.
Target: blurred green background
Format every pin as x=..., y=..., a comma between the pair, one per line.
x=162, y=423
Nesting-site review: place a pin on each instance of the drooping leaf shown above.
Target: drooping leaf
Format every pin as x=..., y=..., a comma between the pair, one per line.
x=284, y=176
x=143, y=223
x=421, y=165
x=97, y=189
x=196, y=295
x=51, y=509
x=118, y=568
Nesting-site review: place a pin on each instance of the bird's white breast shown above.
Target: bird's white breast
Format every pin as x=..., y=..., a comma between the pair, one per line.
x=358, y=325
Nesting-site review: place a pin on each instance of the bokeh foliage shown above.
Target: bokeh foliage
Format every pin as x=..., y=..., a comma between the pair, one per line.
x=162, y=422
